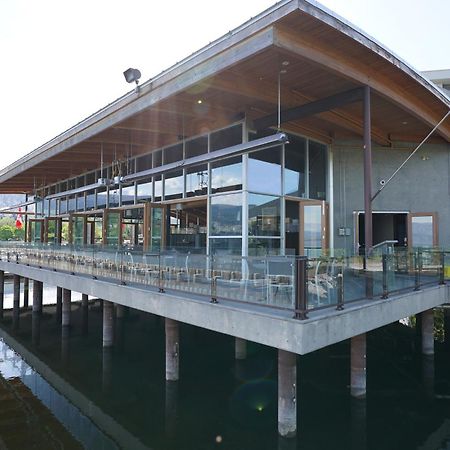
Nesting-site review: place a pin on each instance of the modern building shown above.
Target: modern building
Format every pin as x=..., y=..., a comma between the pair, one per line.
x=278, y=139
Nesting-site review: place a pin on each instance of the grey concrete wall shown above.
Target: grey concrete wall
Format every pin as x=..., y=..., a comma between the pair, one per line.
x=423, y=185
x=255, y=323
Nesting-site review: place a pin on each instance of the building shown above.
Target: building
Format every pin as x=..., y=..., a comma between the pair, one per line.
x=277, y=139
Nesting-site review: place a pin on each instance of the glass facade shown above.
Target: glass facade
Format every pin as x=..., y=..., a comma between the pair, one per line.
x=294, y=167
x=264, y=171
x=226, y=215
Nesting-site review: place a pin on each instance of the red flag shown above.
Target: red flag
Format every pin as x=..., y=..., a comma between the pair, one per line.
x=19, y=221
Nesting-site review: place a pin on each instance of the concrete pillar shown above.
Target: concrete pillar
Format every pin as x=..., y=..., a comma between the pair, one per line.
x=16, y=301
x=2, y=291
x=37, y=297
x=240, y=348
x=26, y=292
x=120, y=311
x=358, y=366
x=36, y=328
x=84, y=312
x=108, y=323
x=428, y=332
x=65, y=316
x=58, y=304
x=172, y=350
x=287, y=393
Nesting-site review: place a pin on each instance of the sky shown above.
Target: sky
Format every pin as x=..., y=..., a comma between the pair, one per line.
x=64, y=60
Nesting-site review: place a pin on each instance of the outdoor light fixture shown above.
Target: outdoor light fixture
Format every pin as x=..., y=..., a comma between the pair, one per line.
x=132, y=75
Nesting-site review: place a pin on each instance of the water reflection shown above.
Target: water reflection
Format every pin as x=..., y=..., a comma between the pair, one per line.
x=36, y=328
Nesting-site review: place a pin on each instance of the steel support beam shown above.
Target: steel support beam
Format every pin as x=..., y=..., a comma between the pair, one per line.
x=367, y=174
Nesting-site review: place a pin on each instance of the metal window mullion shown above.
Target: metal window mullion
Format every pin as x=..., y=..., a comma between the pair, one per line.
x=330, y=200
x=307, y=169
x=282, y=205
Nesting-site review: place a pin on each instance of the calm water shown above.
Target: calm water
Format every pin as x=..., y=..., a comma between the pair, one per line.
x=119, y=398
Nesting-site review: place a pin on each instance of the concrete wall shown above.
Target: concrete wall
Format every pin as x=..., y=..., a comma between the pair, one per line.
x=423, y=185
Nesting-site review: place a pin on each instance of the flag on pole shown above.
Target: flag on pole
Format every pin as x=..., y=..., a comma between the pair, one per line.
x=19, y=221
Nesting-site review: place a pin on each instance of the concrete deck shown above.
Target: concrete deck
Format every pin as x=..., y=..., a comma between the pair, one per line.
x=268, y=326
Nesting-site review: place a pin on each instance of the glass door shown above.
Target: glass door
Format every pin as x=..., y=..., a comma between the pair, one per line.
x=155, y=215
x=36, y=230
x=112, y=232
x=313, y=233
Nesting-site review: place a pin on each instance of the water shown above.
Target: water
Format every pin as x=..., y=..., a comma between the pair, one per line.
x=119, y=398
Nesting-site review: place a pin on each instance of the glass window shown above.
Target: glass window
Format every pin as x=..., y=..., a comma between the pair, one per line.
x=317, y=170
x=143, y=163
x=144, y=191
x=422, y=231
x=80, y=181
x=112, y=228
x=197, y=180
x=90, y=178
x=62, y=206
x=90, y=199
x=78, y=230
x=113, y=199
x=226, y=175
x=196, y=147
x=294, y=171
x=157, y=158
x=263, y=246
x=226, y=137
x=80, y=202
x=226, y=215
x=225, y=246
x=312, y=235
x=128, y=194
x=101, y=198
x=173, y=185
x=173, y=154
x=158, y=188
x=72, y=206
x=53, y=207
x=264, y=171
x=263, y=215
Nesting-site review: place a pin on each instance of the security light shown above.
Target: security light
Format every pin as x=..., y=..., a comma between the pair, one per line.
x=132, y=75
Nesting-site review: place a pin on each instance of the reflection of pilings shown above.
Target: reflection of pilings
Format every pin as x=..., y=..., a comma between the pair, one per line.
x=108, y=323
x=37, y=297
x=428, y=374
x=65, y=332
x=36, y=328
x=359, y=424
x=120, y=311
x=65, y=317
x=107, y=368
x=58, y=304
x=84, y=313
x=26, y=292
x=2, y=291
x=428, y=332
x=358, y=366
x=240, y=348
x=287, y=393
x=287, y=444
x=172, y=350
x=16, y=301
x=171, y=410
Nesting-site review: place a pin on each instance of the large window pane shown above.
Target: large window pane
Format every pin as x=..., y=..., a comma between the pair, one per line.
x=226, y=175
x=225, y=246
x=144, y=162
x=112, y=229
x=80, y=202
x=78, y=230
x=173, y=185
x=197, y=180
x=312, y=223
x=263, y=247
x=317, y=170
x=226, y=137
x=158, y=188
x=264, y=171
x=226, y=215
x=101, y=199
x=422, y=231
x=173, y=154
x=263, y=215
x=196, y=147
x=128, y=195
x=294, y=172
x=90, y=200
x=144, y=191
x=114, y=197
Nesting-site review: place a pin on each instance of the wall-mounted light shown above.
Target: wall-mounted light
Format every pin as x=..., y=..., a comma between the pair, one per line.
x=132, y=76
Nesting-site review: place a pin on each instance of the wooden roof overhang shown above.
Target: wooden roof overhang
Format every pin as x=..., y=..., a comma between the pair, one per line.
x=320, y=57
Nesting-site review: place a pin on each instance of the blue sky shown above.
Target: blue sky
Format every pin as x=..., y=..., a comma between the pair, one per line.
x=63, y=60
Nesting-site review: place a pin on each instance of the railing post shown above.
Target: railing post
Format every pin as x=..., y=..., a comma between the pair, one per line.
x=213, y=281
x=417, y=267
x=340, y=290
x=160, y=280
x=301, y=291
x=442, y=268
x=385, y=281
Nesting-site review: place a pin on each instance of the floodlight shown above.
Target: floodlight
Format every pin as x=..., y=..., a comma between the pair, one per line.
x=132, y=75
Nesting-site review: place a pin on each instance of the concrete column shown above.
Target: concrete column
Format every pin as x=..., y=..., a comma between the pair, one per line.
x=16, y=301
x=26, y=292
x=65, y=316
x=2, y=291
x=84, y=312
x=37, y=297
x=172, y=350
x=428, y=332
x=287, y=393
x=240, y=348
x=108, y=323
x=358, y=366
x=58, y=304
x=120, y=311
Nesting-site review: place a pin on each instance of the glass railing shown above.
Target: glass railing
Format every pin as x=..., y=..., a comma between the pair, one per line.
x=286, y=282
